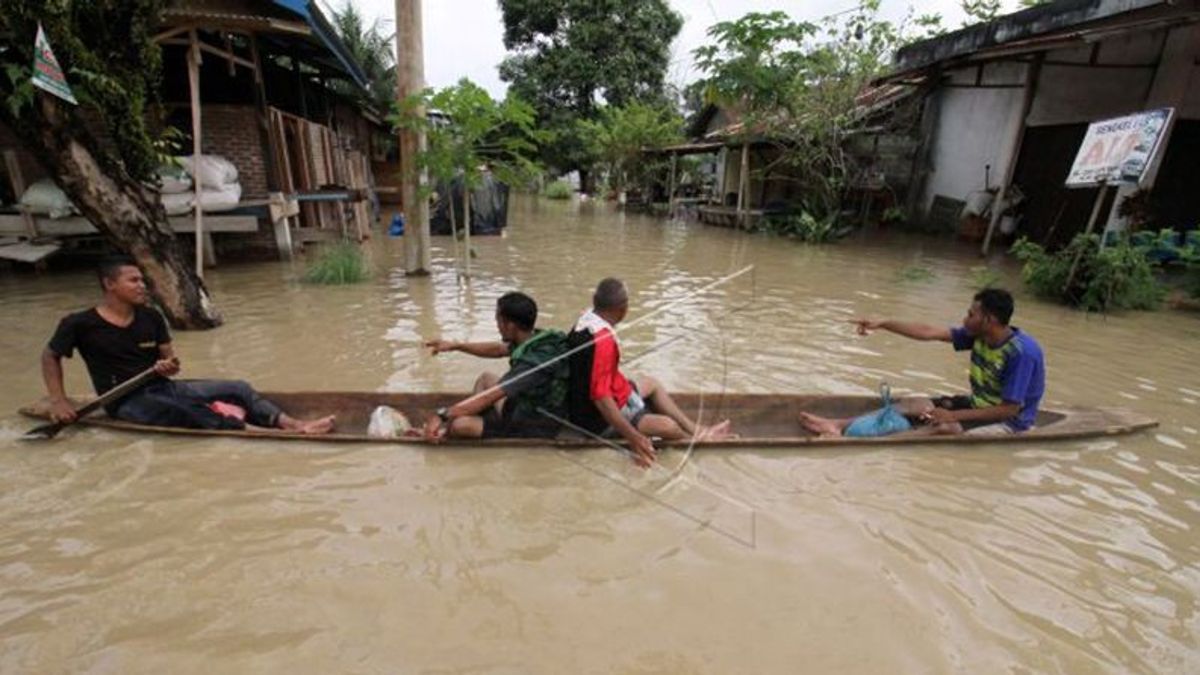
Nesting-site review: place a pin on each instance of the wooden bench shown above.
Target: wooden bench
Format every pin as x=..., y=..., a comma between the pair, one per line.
x=74, y=226
x=14, y=225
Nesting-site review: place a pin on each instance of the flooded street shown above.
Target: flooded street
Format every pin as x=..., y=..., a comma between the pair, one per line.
x=123, y=553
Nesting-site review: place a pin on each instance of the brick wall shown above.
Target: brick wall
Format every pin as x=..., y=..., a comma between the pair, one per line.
x=232, y=132
x=229, y=130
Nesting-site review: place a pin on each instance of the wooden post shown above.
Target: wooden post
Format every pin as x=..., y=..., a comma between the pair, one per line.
x=1100, y=196
x=193, y=61
x=743, y=184
x=919, y=171
x=1031, y=76
x=299, y=84
x=17, y=180
x=671, y=188
x=410, y=76
x=281, y=210
x=265, y=137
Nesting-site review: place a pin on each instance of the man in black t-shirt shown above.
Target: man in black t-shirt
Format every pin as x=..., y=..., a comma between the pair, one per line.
x=121, y=337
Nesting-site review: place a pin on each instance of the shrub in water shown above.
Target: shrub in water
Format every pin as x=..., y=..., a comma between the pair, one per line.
x=559, y=190
x=916, y=273
x=341, y=263
x=1118, y=276
x=1191, y=279
x=805, y=227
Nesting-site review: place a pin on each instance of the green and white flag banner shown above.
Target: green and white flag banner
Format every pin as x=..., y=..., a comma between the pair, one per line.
x=47, y=74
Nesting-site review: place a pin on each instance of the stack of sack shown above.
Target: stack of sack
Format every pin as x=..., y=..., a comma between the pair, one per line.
x=218, y=179
x=177, y=195
x=219, y=189
x=219, y=186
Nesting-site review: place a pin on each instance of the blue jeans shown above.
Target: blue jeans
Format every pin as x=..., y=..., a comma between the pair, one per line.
x=184, y=403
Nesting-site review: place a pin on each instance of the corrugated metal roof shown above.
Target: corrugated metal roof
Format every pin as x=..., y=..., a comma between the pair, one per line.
x=1036, y=29
x=300, y=18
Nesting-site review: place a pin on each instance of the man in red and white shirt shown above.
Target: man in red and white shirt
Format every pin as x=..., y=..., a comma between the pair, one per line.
x=601, y=400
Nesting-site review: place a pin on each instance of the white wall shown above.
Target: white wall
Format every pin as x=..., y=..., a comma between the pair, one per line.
x=974, y=129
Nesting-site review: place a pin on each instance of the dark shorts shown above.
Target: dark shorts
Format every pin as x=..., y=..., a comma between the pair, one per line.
x=496, y=426
x=963, y=402
x=959, y=402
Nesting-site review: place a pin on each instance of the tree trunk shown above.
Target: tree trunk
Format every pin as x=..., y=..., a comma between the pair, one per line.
x=453, y=227
x=126, y=213
x=585, y=182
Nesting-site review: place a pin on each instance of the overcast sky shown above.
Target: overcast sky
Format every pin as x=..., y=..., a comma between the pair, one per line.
x=463, y=38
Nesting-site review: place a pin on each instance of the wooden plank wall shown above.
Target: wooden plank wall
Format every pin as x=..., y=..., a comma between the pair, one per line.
x=312, y=157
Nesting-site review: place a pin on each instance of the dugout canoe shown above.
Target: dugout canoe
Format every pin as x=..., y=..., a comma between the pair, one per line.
x=761, y=420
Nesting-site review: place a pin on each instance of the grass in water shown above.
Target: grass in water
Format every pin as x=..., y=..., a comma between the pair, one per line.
x=559, y=190
x=341, y=263
x=916, y=273
x=984, y=277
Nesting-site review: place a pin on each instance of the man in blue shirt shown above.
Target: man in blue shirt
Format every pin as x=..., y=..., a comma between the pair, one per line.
x=1008, y=373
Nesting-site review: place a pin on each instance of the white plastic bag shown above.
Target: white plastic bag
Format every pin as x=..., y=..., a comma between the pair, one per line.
x=213, y=171
x=388, y=422
x=44, y=198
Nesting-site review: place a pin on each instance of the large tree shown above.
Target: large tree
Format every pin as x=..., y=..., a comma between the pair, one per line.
x=566, y=57
x=106, y=50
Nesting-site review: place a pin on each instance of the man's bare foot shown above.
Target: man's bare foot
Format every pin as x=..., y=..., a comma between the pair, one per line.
x=717, y=432
x=820, y=426
x=322, y=425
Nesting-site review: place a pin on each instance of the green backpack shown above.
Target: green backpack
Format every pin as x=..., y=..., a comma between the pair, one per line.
x=546, y=346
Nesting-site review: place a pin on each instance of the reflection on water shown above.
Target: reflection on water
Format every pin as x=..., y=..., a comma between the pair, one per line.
x=121, y=553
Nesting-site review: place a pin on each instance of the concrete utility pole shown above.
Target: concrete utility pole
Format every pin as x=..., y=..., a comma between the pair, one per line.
x=410, y=79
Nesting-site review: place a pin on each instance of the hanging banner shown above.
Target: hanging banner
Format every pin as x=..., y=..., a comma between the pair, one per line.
x=47, y=74
x=1122, y=150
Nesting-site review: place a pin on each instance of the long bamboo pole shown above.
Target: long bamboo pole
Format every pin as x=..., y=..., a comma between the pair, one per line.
x=193, y=60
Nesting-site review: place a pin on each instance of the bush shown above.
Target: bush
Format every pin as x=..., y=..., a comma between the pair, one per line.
x=1191, y=274
x=1184, y=257
x=341, y=263
x=559, y=189
x=805, y=227
x=1119, y=276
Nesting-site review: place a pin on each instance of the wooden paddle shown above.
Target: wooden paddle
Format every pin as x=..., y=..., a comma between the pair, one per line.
x=48, y=431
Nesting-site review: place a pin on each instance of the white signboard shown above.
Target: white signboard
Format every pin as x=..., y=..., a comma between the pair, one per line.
x=1122, y=150
x=47, y=74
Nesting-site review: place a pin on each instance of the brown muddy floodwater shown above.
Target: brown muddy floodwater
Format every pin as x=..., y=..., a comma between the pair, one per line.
x=122, y=553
